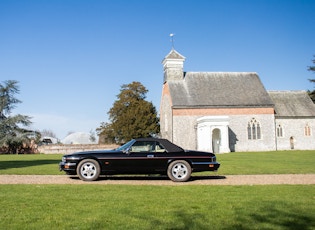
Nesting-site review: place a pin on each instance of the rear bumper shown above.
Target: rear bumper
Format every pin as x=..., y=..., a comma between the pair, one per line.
x=205, y=166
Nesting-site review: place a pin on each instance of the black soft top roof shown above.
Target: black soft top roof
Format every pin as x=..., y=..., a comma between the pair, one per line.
x=169, y=146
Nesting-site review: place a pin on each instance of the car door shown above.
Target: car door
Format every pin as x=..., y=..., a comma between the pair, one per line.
x=142, y=158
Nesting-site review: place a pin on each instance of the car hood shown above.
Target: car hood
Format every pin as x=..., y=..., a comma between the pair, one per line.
x=94, y=152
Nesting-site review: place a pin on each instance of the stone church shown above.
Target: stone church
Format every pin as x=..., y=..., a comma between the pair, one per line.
x=231, y=111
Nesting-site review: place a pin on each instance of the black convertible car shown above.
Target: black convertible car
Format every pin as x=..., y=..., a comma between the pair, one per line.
x=139, y=156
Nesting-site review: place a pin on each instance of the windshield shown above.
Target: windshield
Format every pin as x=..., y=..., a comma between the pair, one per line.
x=126, y=146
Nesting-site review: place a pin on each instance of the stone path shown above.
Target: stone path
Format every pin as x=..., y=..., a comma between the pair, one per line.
x=155, y=180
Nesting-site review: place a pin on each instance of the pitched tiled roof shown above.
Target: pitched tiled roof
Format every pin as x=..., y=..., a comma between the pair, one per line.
x=219, y=89
x=292, y=104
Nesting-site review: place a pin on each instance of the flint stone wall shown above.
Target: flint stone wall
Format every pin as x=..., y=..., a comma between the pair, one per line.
x=68, y=149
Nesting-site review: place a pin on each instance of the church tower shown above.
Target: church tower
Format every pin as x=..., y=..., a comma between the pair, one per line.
x=173, y=65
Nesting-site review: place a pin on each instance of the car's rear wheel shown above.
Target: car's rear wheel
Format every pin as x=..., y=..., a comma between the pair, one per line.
x=179, y=171
x=88, y=170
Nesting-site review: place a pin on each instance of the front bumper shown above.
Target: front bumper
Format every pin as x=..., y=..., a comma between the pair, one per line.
x=66, y=166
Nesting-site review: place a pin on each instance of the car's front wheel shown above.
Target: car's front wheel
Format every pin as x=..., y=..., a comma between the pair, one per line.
x=88, y=170
x=179, y=171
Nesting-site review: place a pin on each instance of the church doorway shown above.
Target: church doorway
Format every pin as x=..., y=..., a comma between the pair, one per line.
x=216, y=140
x=213, y=134
x=292, y=142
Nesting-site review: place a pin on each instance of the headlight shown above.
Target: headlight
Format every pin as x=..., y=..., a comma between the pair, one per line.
x=64, y=159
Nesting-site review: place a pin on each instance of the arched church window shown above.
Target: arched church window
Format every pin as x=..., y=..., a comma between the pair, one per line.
x=249, y=131
x=307, y=130
x=254, y=130
x=258, y=131
x=279, y=131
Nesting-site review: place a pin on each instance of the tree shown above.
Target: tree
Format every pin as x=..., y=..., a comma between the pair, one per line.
x=92, y=136
x=131, y=115
x=312, y=93
x=12, y=136
x=106, y=133
x=48, y=133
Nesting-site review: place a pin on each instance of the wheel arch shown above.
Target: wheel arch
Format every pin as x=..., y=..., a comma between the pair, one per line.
x=89, y=158
x=180, y=159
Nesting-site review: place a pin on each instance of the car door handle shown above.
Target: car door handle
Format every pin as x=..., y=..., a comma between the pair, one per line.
x=150, y=156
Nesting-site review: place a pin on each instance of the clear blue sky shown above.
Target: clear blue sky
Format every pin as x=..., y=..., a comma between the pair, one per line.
x=72, y=56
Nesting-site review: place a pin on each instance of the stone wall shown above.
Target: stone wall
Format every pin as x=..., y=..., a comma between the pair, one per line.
x=295, y=128
x=185, y=132
x=67, y=149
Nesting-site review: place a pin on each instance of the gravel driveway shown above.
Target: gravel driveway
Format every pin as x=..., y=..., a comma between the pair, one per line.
x=155, y=180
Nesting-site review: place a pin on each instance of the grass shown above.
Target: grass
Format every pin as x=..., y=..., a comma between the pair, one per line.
x=281, y=162
x=199, y=207
x=30, y=164
x=277, y=162
x=157, y=207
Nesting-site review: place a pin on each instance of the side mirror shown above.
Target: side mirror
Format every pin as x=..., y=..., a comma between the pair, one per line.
x=127, y=151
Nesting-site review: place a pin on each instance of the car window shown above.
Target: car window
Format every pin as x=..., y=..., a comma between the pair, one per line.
x=159, y=148
x=126, y=146
x=143, y=146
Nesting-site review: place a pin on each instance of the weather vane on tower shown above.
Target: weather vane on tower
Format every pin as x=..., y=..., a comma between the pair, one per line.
x=172, y=40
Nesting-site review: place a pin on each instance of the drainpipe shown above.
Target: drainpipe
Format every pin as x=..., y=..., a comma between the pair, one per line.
x=276, y=138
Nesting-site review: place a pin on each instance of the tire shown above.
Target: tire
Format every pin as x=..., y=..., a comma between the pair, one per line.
x=88, y=170
x=179, y=171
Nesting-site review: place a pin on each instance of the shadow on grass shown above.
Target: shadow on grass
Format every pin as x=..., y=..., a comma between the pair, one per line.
x=149, y=177
x=23, y=164
x=276, y=215
x=283, y=217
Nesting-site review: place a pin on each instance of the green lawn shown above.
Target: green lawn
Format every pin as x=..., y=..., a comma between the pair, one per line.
x=199, y=207
x=282, y=162
x=277, y=162
x=157, y=207
x=32, y=164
